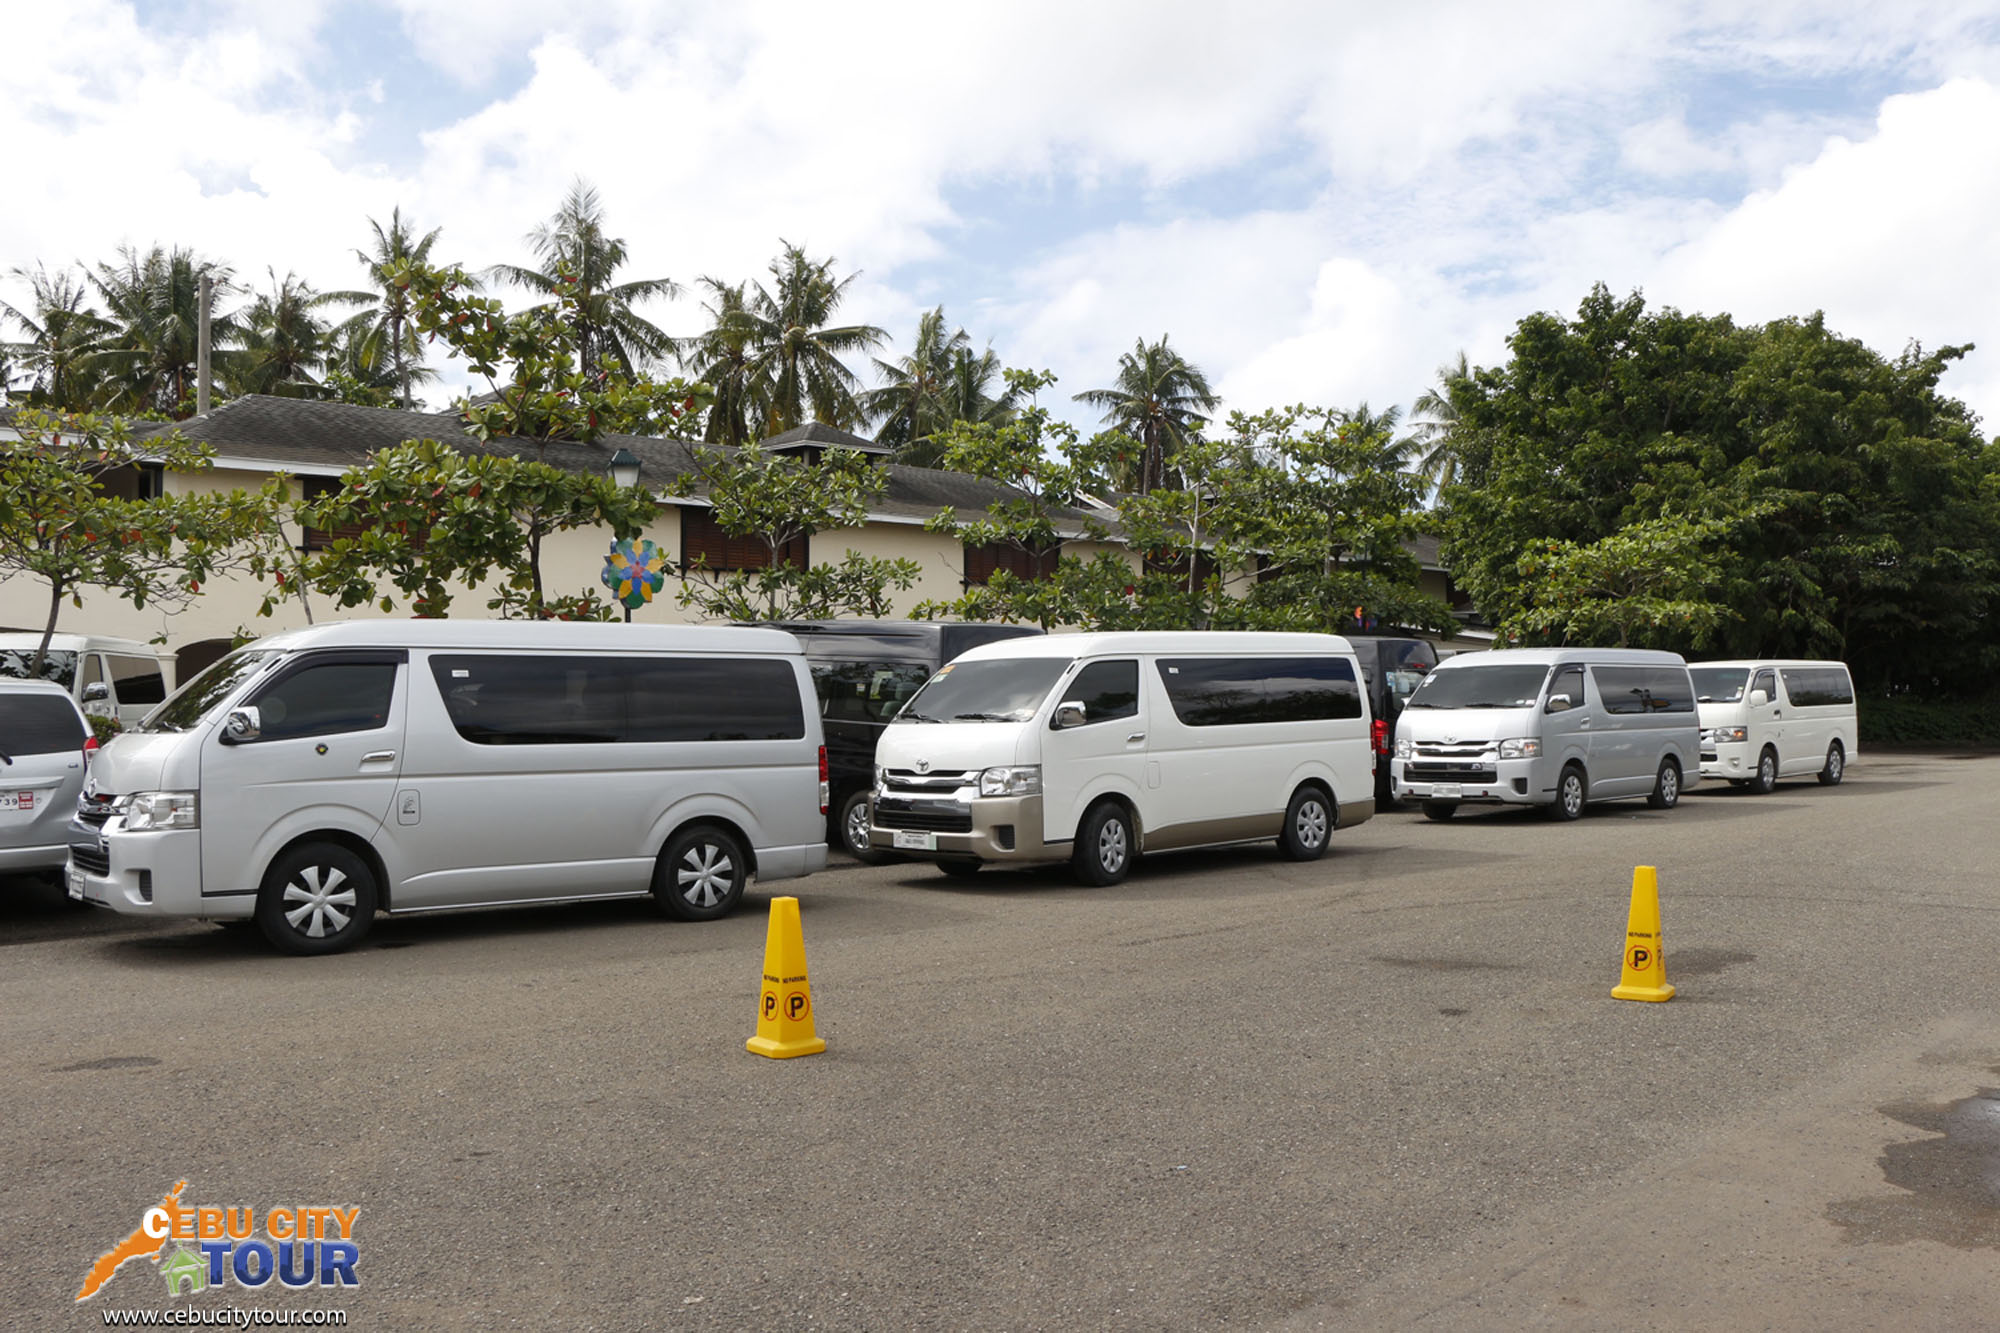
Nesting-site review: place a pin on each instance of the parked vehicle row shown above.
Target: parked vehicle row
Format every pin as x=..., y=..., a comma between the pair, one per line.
x=318, y=777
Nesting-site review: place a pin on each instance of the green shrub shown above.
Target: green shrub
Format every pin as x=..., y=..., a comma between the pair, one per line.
x=104, y=728
x=1945, y=723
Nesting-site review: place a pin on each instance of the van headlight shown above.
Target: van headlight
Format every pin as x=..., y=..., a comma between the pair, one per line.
x=1405, y=748
x=1521, y=747
x=1728, y=733
x=151, y=811
x=1026, y=781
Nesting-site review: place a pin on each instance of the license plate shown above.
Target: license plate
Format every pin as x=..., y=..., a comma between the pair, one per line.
x=1447, y=790
x=75, y=878
x=915, y=840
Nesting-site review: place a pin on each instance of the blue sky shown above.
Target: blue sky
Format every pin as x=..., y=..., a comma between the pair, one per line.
x=1320, y=202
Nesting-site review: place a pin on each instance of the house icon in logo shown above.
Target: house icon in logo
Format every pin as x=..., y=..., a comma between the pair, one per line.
x=183, y=1266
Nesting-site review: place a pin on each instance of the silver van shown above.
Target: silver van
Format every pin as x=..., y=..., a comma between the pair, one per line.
x=1554, y=727
x=45, y=748
x=315, y=778
x=119, y=678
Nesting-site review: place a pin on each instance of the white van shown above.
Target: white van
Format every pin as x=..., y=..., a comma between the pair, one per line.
x=1554, y=727
x=1093, y=748
x=119, y=678
x=317, y=777
x=1765, y=719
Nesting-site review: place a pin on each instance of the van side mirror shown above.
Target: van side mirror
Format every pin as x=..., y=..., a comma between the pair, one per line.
x=1069, y=713
x=95, y=691
x=1758, y=698
x=1559, y=703
x=242, y=724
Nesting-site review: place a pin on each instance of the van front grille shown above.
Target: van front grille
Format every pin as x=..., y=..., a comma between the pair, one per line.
x=91, y=859
x=94, y=807
x=1449, y=772
x=936, y=816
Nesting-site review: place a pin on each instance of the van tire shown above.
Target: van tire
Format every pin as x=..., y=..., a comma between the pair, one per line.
x=1308, y=826
x=1767, y=772
x=853, y=809
x=1103, y=853
x=1666, y=793
x=1440, y=810
x=1572, y=793
x=1835, y=768
x=701, y=874
x=328, y=888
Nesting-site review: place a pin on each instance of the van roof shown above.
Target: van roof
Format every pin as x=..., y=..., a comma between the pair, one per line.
x=77, y=643
x=578, y=636
x=12, y=685
x=1562, y=657
x=1748, y=663
x=1237, y=642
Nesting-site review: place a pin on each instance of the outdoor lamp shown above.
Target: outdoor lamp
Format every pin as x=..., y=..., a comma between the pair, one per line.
x=624, y=469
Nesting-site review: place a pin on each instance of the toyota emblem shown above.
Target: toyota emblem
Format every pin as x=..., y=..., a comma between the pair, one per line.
x=1451, y=740
x=923, y=765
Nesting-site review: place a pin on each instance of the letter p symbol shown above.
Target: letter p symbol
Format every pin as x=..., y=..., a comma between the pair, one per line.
x=1642, y=958
x=770, y=1004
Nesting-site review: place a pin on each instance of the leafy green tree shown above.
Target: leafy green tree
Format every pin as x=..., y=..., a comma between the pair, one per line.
x=60, y=529
x=774, y=501
x=1650, y=584
x=796, y=359
x=153, y=302
x=578, y=264
x=387, y=343
x=435, y=522
x=59, y=332
x=1160, y=399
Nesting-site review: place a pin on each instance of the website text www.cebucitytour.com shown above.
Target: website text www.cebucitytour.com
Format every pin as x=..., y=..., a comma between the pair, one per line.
x=223, y=1316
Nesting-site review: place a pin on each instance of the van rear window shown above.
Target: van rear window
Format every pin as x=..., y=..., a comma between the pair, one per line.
x=545, y=699
x=1238, y=691
x=38, y=724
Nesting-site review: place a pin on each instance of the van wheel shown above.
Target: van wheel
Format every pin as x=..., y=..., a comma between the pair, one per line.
x=1440, y=810
x=317, y=898
x=1836, y=766
x=701, y=874
x=1767, y=772
x=1308, y=823
x=1103, y=854
x=1666, y=793
x=853, y=828
x=1572, y=790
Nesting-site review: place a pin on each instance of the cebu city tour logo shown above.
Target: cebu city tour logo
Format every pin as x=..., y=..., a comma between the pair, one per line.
x=195, y=1249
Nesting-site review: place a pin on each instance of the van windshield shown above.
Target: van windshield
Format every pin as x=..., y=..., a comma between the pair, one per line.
x=1719, y=685
x=58, y=666
x=1512, y=686
x=195, y=700
x=995, y=691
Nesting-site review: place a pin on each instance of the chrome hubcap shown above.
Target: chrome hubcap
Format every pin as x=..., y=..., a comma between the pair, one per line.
x=706, y=873
x=1767, y=772
x=316, y=905
x=1833, y=762
x=857, y=827
x=1111, y=845
x=1311, y=824
x=1572, y=795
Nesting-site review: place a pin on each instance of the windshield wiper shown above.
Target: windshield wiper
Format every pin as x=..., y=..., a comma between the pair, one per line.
x=918, y=717
x=981, y=717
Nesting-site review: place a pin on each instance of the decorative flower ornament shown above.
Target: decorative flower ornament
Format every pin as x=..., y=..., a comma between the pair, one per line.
x=634, y=571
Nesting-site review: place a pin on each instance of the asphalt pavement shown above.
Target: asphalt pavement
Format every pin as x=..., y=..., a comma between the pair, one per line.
x=1389, y=1089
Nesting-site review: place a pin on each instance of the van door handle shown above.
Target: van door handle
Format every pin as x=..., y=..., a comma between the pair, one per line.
x=1135, y=736
x=379, y=757
x=1776, y=714
x=1583, y=725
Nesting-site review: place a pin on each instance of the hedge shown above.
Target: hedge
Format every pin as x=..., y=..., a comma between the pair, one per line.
x=1943, y=723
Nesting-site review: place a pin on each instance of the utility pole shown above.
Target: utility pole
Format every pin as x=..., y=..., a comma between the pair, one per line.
x=201, y=347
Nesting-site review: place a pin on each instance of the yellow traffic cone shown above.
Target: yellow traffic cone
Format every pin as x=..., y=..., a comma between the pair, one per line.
x=785, y=1012
x=1645, y=975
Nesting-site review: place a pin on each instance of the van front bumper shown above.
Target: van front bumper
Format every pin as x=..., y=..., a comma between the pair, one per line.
x=1728, y=759
x=145, y=874
x=1505, y=781
x=989, y=828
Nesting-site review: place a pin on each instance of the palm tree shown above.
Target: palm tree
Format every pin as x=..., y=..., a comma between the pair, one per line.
x=286, y=339
x=153, y=302
x=795, y=359
x=390, y=340
x=60, y=330
x=1439, y=426
x=721, y=358
x=577, y=255
x=911, y=403
x=1160, y=398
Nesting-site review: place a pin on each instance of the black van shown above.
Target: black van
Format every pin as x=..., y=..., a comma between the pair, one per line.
x=864, y=670
x=1391, y=669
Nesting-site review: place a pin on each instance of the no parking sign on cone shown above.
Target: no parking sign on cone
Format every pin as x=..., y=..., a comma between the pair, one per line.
x=1645, y=974
x=784, y=1009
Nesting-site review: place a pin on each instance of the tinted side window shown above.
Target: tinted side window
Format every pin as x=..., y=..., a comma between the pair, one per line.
x=714, y=699
x=324, y=700
x=866, y=691
x=1107, y=690
x=539, y=700
x=93, y=672
x=1768, y=682
x=59, y=667
x=37, y=724
x=1817, y=687
x=1644, y=690
x=1221, y=691
x=1569, y=680
x=137, y=680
